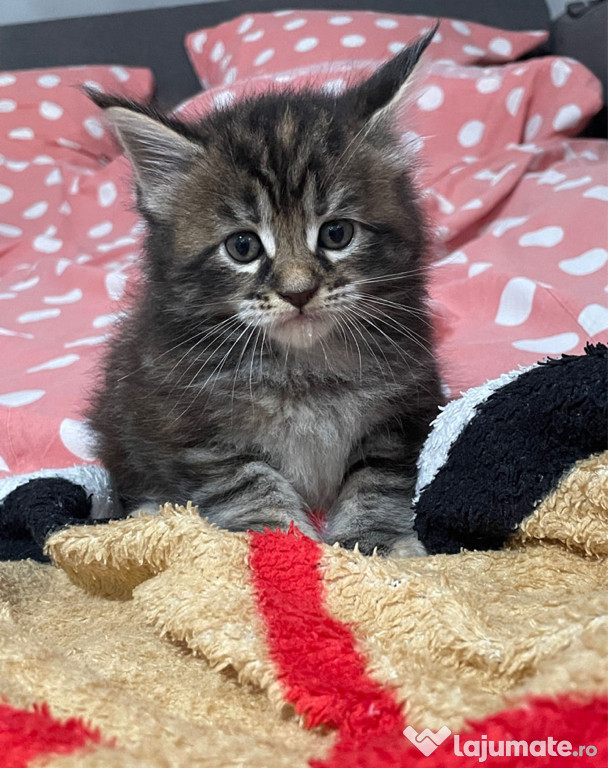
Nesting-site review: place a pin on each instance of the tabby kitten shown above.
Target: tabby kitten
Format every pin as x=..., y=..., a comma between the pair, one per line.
x=278, y=358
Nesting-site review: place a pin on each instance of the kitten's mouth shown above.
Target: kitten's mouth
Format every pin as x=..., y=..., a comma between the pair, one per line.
x=301, y=330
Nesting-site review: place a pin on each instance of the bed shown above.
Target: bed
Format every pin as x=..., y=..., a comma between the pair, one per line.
x=513, y=180
x=516, y=201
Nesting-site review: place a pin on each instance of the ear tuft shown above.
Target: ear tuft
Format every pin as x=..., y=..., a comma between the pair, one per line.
x=158, y=151
x=385, y=87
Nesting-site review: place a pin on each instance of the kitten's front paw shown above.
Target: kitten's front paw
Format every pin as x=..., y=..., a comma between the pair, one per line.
x=147, y=509
x=408, y=546
x=282, y=520
x=392, y=535
x=386, y=545
x=374, y=520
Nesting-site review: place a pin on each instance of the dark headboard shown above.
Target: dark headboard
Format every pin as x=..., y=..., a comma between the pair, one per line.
x=154, y=38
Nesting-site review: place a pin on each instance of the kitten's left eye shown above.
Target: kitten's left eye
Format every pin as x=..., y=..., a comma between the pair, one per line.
x=244, y=247
x=336, y=234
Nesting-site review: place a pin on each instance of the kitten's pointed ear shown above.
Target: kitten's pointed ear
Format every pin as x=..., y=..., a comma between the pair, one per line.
x=158, y=153
x=380, y=93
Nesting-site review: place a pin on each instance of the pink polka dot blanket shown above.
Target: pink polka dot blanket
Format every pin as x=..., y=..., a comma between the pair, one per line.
x=517, y=203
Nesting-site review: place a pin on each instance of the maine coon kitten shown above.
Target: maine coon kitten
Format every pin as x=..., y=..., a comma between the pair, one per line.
x=278, y=358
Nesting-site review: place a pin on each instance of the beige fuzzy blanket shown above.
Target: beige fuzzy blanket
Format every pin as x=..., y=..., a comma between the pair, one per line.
x=154, y=631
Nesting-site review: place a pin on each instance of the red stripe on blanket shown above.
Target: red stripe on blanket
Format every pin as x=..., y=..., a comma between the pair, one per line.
x=25, y=735
x=565, y=730
x=325, y=678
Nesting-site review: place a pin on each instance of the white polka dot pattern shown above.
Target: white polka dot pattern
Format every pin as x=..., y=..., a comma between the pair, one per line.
x=93, y=127
x=77, y=438
x=365, y=35
x=17, y=399
x=48, y=81
x=263, y=57
x=294, y=24
x=532, y=127
x=339, y=21
x=599, y=193
x=217, y=52
x=198, y=42
x=513, y=100
x=21, y=133
x=488, y=84
x=594, y=319
x=516, y=301
x=471, y=133
x=306, y=44
x=431, y=98
x=567, y=117
x=501, y=46
x=546, y=237
x=60, y=177
x=6, y=194
x=586, y=263
x=558, y=344
x=352, y=41
x=486, y=137
x=243, y=27
x=560, y=72
x=50, y=111
x=386, y=23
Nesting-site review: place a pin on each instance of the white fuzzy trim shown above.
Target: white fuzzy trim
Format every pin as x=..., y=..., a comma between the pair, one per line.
x=450, y=423
x=95, y=480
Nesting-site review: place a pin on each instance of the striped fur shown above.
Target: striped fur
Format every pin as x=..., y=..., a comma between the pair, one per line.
x=219, y=390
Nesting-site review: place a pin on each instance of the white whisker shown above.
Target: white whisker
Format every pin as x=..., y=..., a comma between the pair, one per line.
x=215, y=329
x=217, y=369
x=360, y=329
x=369, y=318
x=419, y=313
x=237, y=368
x=387, y=278
x=416, y=338
x=255, y=344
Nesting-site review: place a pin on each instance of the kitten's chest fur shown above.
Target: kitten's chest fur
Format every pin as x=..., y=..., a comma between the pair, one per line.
x=310, y=439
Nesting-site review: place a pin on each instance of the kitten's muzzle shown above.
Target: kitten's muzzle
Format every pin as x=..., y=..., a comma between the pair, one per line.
x=300, y=299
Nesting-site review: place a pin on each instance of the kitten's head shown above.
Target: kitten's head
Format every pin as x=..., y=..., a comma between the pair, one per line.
x=290, y=211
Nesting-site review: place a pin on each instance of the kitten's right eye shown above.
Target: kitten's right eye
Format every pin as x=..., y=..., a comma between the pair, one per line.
x=244, y=247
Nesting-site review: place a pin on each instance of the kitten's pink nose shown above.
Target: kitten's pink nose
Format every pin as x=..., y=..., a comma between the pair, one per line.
x=299, y=299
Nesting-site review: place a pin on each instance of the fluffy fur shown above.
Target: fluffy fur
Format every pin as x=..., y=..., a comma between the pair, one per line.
x=303, y=378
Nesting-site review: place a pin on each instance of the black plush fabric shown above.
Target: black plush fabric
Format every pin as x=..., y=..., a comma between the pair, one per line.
x=510, y=456
x=512, y=453
x=34, y=510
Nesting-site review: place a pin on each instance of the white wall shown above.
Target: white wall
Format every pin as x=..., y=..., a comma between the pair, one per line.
x=24, y=11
